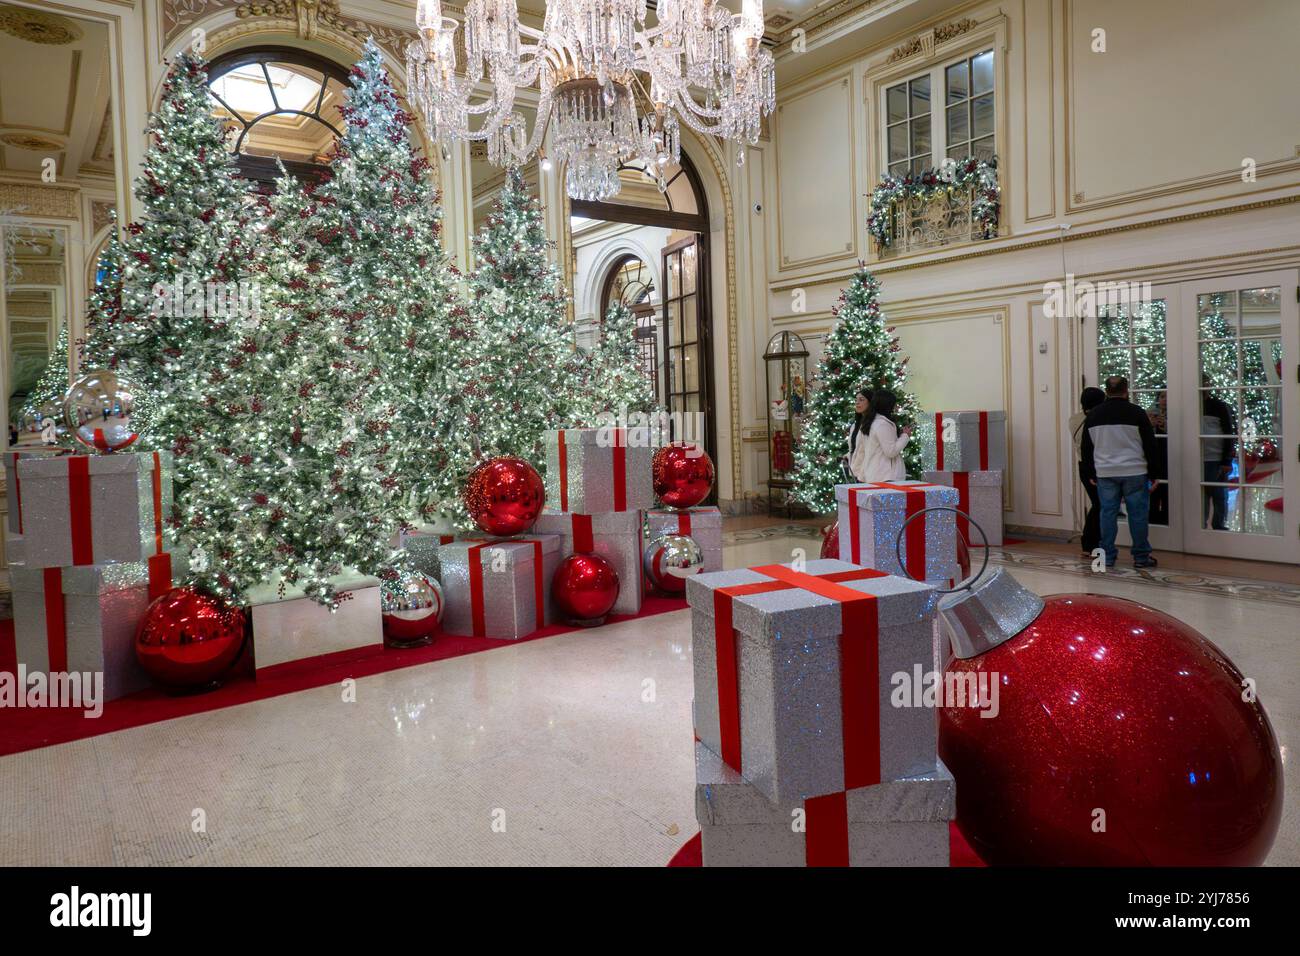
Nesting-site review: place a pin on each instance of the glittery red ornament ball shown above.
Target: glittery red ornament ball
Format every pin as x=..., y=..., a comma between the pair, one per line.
x=585, y=587
x=1121, y=738
x=683, y=474
x=831, y=541
x=505, y=495
x=188, y=638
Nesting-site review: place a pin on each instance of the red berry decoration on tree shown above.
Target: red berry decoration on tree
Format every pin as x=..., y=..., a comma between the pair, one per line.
x=505, y=496
x=189, y=639
x=683, y=474
x=1121, y=736
x=585, y=588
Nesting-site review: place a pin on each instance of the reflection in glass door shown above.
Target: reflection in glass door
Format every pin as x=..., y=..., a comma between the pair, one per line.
x=1245, y=418
x=1239, y=350
x=1131, y=341
x=686, y=377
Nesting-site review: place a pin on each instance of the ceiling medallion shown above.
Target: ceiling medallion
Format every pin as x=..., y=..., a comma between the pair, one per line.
x=28, y=141
x=38, y=27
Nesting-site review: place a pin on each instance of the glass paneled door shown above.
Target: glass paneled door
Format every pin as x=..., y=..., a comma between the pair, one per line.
x=686, y=342
x=1133, y=340
x=1242, y=420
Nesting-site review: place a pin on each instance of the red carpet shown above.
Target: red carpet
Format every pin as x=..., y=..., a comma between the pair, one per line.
x=22, y=729
x=959, y=851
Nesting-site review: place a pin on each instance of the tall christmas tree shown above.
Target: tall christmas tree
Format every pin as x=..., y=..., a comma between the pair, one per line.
x=191, y=243
x=861, y=352
x=53, y=383
x=616, y=385
x=341, y=396
x=525, y=371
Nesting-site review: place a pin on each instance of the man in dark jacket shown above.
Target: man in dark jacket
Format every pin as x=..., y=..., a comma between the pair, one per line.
x=1118, y=444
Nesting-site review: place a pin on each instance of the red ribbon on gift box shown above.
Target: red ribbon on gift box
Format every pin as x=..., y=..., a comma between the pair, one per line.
x=478, y=609
x=914, y=537
x=984, y=441
x=619, y=451
x=18, y=491
x=826, y=818
x=56, y=622
x=80, y=515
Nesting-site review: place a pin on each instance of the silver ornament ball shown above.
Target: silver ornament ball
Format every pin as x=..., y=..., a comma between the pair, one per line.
x=98, y=410
x=671, y=559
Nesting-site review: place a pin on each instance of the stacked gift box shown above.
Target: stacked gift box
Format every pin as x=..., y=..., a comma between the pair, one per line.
x=702, y=523
x=801, y=757
x=598, y=482
x=973, y=460
x=93, y=551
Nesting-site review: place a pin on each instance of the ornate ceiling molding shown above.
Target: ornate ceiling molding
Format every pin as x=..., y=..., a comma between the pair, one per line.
x=101, y=214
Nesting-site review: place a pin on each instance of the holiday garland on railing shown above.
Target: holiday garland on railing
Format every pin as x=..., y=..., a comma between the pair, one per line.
x=974, y=174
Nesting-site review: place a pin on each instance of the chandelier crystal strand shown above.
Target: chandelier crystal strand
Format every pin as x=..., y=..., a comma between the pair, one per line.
x=614, y=88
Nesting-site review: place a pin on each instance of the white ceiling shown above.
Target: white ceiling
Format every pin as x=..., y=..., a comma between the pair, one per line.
x=54, y=94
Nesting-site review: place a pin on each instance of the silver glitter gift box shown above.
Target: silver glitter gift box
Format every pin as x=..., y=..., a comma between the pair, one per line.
x=977, y=441
x=778, y=714
x=82, y=619
x=702, y=523
x=615, y=536
x=900, y=822
x=492, y=588
x=424, y=546
x=872, y=518
x=595, y=470
x=979, y=494
x=292, y=627
x=14, y=487
x=95, y=509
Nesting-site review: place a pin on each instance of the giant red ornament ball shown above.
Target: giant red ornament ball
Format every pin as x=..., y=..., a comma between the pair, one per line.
x=585, y=587
x=1121, y=739
x=189, y=639
x=505, y=496
x=683, y=474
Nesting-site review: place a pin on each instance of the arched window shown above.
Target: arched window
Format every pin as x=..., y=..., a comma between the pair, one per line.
x=280, y=103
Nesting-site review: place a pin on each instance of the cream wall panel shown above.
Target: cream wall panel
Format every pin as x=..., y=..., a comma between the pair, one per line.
x=1185, y=90
x=956, y=361
x=817, y=205
x=1038, y=129
x=1047, y=343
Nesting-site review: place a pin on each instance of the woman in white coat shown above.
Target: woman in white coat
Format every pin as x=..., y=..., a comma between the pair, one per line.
x=882, y=452
x=856, y=436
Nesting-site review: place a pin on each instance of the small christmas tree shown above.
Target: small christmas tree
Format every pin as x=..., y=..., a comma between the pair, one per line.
x=861, y=352
x=104, y=307
x=53, y=383
x=519, y=350
x=617, y=385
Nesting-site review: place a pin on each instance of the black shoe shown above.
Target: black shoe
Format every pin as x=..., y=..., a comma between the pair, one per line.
x=1147, y=563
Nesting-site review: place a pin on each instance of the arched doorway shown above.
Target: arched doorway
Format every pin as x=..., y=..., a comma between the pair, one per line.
x=281, y=103
x=675, y=322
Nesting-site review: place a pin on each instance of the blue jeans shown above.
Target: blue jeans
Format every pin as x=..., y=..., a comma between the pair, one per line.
x=1136, y=492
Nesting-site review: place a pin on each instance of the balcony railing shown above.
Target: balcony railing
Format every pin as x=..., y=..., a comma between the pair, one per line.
x=955, y=204
x=925, y=222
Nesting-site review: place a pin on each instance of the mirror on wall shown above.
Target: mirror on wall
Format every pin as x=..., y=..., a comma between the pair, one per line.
x=36, y=327
x=59, y=186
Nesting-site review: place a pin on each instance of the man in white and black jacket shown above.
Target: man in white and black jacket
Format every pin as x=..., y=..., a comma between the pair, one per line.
x=1118, y=446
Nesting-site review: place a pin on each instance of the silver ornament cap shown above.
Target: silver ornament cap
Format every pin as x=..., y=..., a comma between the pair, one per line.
x=990, y=613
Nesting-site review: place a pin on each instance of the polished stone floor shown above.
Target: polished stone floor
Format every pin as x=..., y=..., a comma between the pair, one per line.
x=571, y=750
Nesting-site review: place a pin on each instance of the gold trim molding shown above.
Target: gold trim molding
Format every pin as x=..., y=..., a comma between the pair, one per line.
x=33, y=199
x=925, y=43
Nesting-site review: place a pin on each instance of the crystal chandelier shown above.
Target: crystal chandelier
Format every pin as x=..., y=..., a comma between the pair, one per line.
x=612, y=87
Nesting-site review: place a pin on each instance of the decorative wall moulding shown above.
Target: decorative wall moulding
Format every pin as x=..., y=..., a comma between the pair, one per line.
x=924, y=43
x=36, y=200
x=101, y=214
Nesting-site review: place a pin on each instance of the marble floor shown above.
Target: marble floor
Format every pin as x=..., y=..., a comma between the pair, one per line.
x=571, y=750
